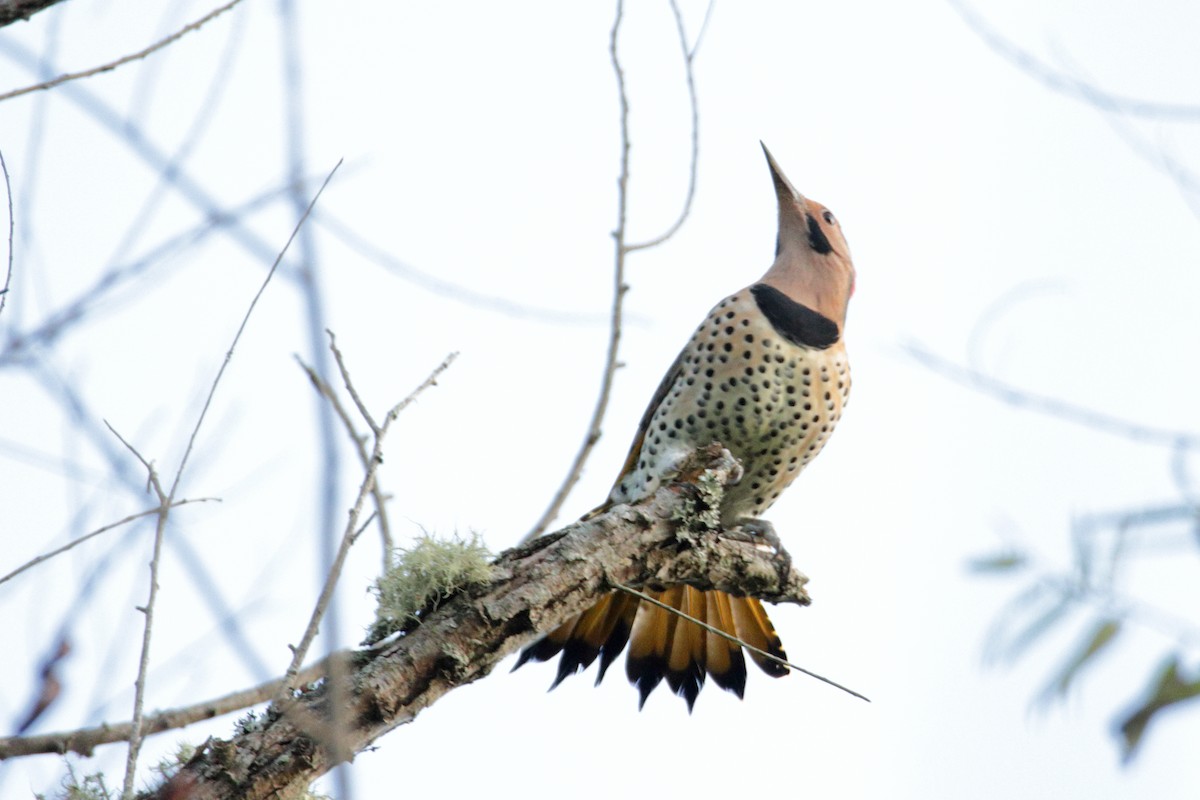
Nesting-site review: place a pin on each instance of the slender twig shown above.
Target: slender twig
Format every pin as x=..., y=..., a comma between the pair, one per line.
x=345, y=373
x=445, y=288
x=688, y=55
x=245, y=321
x=619, y=289
x=380, y=431
x=1071, y=86
x=87, y=73
x=11, y=224
x=364, y=457
x=139, y=686
x=621, y=249
x=100, y=293
x=1051, y=406
x=653, y=601
x=85, y=740
x=167, y=498
x=74, y=542
x=130, y=133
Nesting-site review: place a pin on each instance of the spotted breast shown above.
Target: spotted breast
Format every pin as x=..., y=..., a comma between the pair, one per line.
x=765, y=375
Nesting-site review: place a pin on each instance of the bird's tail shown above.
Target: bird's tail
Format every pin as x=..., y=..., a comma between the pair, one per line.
x=663, y=644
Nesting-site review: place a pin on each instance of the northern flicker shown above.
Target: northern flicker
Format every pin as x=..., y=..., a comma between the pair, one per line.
x=765, y=375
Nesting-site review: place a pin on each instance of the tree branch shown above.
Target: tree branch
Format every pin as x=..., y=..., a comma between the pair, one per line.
x=87, y=73
x=17, y=10
x=535, y=588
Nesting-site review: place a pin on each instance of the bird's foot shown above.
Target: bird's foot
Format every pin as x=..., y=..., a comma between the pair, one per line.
x=758, y=532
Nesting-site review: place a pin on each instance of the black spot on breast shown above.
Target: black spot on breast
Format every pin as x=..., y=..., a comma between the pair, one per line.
x=794, y=321
x=817, y=238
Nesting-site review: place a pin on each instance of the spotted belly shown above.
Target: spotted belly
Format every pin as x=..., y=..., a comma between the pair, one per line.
x=773, y=403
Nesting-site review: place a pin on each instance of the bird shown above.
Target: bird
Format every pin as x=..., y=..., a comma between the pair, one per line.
x=765, y=375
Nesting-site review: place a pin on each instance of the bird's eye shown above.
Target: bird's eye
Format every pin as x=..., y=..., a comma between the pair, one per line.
x=829, y=218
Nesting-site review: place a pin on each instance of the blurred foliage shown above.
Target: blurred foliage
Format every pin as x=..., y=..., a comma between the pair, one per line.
x=1091, y=594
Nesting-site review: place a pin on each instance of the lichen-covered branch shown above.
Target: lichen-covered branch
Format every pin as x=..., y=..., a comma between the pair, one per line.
x=534, y=588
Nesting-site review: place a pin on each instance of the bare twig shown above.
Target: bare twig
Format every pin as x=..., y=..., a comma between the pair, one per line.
x=349, y=384
x=454, y=291
x=364, y=457
x=620, y=250
x=13, y=10
x=1051, y=406
x=652, y=601
x=167, y=498
x=99, y=293
x=128, y=131
x=84, y=741
x=1071, y=86
x=352, y=525
x=87, y=73
x=11, y=224
x=74, y=542
x=689, y=53
x=139, y=686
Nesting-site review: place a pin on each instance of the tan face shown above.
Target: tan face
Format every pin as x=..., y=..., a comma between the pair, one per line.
x=826, y=239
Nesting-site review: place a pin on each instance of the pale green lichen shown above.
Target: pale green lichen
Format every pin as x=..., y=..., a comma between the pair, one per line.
x=424, y=575
x=702, y=511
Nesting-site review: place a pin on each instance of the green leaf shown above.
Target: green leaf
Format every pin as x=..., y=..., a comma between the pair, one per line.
x=1168, y=689
x=1102, y=635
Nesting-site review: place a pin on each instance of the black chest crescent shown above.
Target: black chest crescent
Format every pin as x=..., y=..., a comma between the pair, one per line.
x=794, y=321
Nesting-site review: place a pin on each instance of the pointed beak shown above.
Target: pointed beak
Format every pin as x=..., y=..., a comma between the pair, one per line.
x=784, y=191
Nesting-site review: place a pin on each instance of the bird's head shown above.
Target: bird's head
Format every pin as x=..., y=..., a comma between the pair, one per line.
x=812, y=262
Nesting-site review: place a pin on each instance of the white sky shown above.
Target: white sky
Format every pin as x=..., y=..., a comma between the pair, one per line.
x=480, y=142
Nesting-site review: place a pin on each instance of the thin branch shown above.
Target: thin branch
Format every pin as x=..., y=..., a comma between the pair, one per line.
x=85, y=740
x=364, y=457
x=245, y=321
x=621, y=250
x=71, y=76
x=439, y=286
x=11, y=225
x=139, y=686
x=1050, y=406
x=345, y=373
x=167, y=498
x=688, y=55
x=619, y=290
x=18, y=10
x=1071, y=86
x=74, y=542
x=770, y=657
x=349, y=534
x=100, y=293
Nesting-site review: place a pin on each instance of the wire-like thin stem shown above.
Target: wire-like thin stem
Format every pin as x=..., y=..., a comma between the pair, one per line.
x=104, y=529
x=648, y=599
x=11, y=227
x=1051, y=406
x=689, y=53
x=159, y=45
x=620, y=250
x=166, y=498
x=352, y=526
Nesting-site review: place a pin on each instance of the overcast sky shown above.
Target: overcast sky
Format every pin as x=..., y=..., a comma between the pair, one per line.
x=995, y=221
